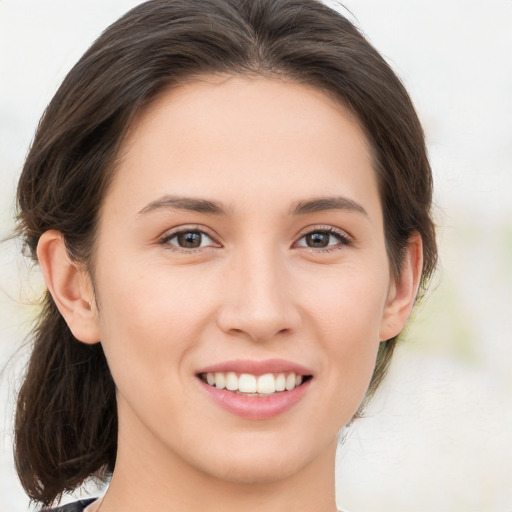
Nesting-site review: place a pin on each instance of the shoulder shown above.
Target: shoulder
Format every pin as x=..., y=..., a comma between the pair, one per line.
x=77, y=506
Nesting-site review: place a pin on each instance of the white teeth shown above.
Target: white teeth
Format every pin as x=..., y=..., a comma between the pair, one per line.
x=281, y=382
x=231, y=381
x=290, y=382
x=219, y=380
x=266, y=384
x=247, y=383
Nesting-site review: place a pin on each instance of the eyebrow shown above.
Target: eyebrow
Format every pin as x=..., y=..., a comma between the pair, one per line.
x=326, y=203
x=215, y=208
x=186, y=203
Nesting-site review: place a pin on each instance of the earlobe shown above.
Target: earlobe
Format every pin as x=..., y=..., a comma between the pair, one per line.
x=403, y=290
x=70, y=287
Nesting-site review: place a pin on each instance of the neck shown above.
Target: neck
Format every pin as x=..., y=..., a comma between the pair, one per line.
x=150, y=477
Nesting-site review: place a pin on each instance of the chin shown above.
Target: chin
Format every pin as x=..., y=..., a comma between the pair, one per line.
x=257, y=462
x=252, y=472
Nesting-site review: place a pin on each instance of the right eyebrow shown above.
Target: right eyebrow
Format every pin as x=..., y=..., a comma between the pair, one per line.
x=186, y=203
x=321, y=204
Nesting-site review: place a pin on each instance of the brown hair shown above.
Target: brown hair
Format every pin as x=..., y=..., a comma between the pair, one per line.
x=66, y=419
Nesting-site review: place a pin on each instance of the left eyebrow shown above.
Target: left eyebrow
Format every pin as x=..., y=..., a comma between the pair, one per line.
x=321, y=204
x=185, y=203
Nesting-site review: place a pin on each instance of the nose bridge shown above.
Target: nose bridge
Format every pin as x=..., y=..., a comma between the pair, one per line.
x=259, y=299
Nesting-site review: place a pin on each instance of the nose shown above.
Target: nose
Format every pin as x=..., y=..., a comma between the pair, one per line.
x=258, y=298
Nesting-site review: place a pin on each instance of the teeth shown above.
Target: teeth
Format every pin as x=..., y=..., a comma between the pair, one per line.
x=219, y=380
x=231, y=381
x=247, y=383
x=260, y=385
x=290, y=382
x=266, y=383
x=281, y=382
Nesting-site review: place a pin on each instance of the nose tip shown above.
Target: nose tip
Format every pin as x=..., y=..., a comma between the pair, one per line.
x=259, y=305
x=257, y=329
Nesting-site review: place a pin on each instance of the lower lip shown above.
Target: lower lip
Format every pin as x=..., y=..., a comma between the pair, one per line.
x=256, y=408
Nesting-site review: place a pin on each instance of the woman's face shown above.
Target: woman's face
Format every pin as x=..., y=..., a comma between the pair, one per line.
x=242, y=235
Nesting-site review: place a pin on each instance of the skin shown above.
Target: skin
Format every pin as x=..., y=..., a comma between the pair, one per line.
x=253, y=289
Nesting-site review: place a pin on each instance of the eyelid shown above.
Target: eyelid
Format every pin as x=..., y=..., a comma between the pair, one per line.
x=346, y=238
x=171, y=233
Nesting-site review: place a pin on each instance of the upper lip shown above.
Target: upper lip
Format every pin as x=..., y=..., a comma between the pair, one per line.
x=255, y=367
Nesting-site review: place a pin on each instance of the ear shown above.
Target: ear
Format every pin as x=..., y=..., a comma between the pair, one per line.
x=403, y=290
x=70, y=287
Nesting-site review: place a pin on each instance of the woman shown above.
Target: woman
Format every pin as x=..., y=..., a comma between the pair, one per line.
x=230, y=203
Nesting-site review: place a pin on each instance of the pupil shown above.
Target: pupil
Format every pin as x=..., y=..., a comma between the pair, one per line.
x=317, y=239
x=190, y=240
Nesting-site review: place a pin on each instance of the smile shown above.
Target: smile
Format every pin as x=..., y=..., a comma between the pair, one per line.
x=256, y=390
x=254, y=385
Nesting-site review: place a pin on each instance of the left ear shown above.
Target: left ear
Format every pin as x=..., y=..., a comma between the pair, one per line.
x=403, y=290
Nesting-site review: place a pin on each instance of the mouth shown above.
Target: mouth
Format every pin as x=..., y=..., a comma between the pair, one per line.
x=256, y=390
x=257, y=386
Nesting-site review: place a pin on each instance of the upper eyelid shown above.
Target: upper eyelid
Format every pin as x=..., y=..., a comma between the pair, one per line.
x=169, y=233
x=331, y=229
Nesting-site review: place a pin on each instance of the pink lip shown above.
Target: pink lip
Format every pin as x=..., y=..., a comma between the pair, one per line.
x=253, y=407
x=257, y=367
x=256, y=408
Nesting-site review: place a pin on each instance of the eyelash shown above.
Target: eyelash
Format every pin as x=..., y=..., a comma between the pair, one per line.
x=344, y=240
x=192, y=229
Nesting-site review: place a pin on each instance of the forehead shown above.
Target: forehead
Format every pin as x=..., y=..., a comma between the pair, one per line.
x=233, y=137
x=224, y=98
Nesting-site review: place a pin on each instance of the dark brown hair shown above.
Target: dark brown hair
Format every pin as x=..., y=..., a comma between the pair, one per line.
x=66, y=419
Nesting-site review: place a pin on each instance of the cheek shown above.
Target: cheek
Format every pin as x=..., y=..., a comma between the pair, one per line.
x=346, y=311
x=348, y=301
x=150, y=319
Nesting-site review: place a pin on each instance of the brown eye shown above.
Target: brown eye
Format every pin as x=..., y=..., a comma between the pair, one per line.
x=191, y=239
x=322, y=239
x=318, y=239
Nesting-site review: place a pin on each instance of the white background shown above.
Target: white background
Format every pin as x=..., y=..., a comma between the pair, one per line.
x=438, y=436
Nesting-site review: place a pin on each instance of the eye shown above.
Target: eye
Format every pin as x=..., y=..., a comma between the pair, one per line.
x=188, y=239
x=326, y=238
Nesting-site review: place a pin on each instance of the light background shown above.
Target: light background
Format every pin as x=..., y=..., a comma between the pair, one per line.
x=438, y=436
